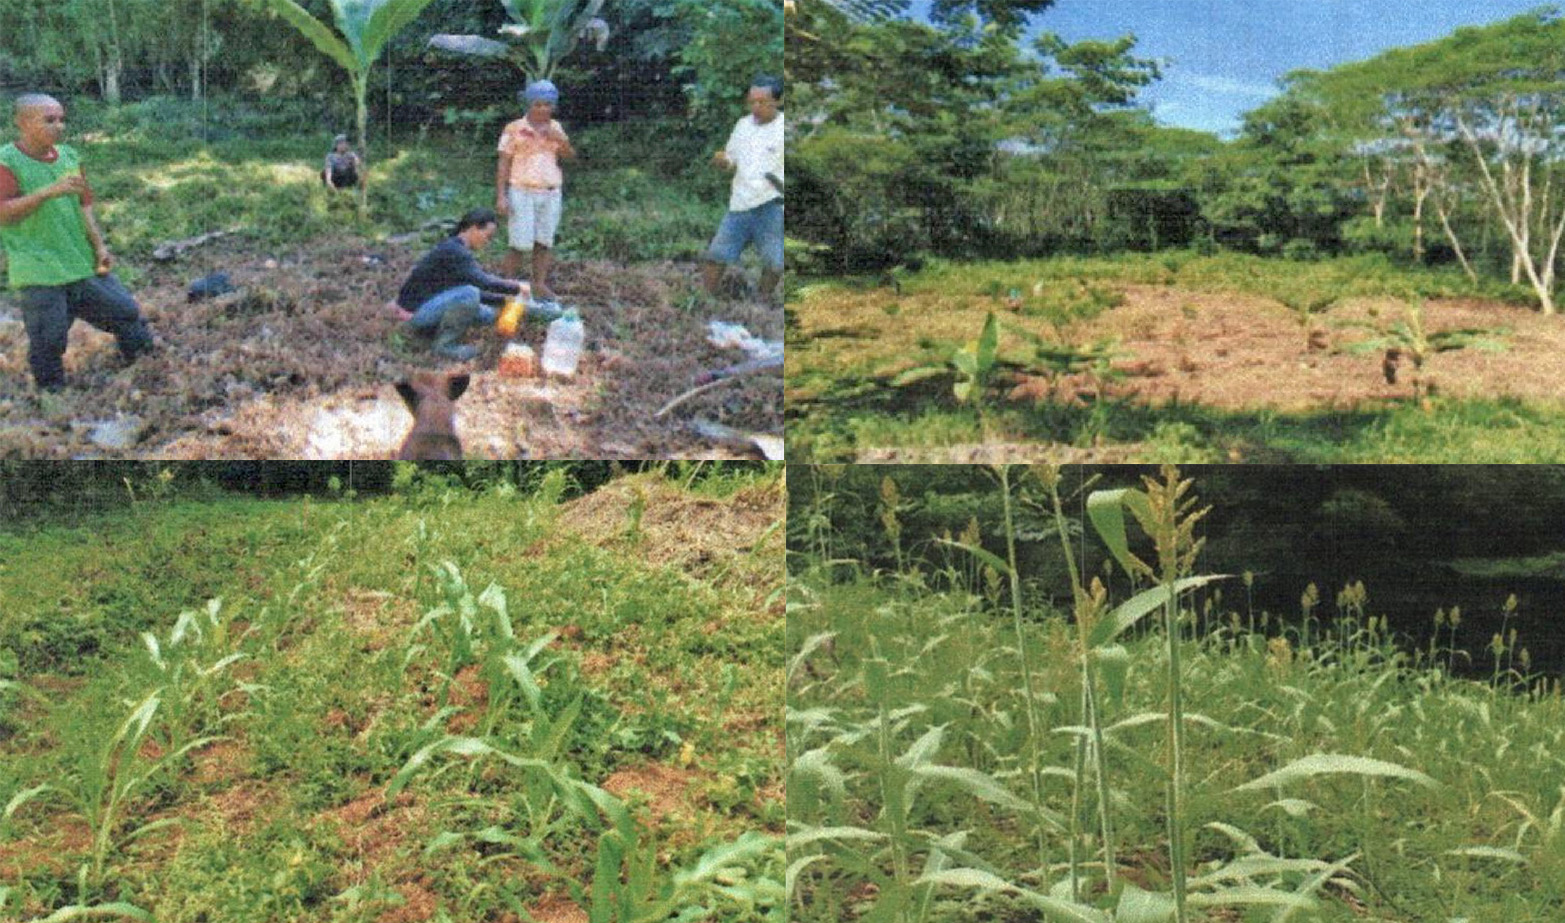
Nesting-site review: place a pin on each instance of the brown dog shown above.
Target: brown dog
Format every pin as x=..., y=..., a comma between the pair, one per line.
x=431, y=397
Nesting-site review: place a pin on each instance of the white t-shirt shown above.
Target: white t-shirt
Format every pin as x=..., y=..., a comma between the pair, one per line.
x=756, y=150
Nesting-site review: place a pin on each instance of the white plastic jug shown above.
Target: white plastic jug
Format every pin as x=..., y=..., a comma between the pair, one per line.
x=562, y=345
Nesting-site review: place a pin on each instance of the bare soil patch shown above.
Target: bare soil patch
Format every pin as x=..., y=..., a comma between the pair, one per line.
x=1238, y=352
x=301, y=361
x=557, y=909
x=668, y=791
x=1225, y=350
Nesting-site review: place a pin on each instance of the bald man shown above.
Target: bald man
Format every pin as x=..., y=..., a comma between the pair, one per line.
x=55, y=255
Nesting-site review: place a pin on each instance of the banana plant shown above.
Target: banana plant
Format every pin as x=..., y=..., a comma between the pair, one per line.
x=971, y=365
x=364, y=27
x=540, y=34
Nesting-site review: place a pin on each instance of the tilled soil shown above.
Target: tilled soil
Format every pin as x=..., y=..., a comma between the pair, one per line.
x=1239, y=352
x=300, y=363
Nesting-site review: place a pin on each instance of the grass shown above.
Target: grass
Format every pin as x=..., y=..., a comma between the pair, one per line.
x=443, y=705
x=841, y=401
x=162, y=172
x=1328, y=772
x=1503, y=431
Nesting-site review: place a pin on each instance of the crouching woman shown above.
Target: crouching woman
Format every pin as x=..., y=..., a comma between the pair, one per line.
x=448, y=292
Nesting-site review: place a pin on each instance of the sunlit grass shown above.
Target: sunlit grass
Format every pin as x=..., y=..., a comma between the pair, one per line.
x=352, y=636
x=163, y=170
x=853, y=337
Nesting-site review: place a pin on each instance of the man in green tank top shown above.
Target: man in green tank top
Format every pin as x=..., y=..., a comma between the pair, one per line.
x=55, y=255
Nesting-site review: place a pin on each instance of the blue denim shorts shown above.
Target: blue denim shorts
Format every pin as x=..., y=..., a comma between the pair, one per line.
x=761, y=225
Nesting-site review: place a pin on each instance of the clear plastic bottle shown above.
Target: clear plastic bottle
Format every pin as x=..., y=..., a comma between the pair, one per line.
x=563, y=344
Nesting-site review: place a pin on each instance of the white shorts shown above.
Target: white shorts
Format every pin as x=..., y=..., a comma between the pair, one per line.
x=535, y=216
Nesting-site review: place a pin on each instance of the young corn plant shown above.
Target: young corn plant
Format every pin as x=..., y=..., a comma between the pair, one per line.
x=455, y=627
x=104, y=786
x=1168, y=516
x=628, y=886
x=190, y=666
x=886, y=853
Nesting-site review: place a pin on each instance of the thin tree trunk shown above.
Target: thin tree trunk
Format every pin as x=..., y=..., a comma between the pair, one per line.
x=1456, y=245
x=1516, y=224
x=115, y=61
x=1420, y=193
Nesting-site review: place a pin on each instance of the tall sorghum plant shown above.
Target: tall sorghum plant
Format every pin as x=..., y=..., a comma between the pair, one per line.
x=1169, y=518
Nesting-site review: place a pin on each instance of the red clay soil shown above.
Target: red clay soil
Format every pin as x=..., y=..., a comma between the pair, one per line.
x=557, y=910
x=668, y=791
x=1240, y=352
x=301, y=361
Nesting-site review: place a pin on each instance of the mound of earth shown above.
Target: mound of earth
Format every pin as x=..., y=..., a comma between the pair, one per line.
x=300, y=363
x=709, y=538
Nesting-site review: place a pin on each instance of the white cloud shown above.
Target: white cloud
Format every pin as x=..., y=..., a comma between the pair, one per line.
x=1227, y=86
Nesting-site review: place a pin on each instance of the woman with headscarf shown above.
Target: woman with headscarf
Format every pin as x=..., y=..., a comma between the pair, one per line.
x=527, y=186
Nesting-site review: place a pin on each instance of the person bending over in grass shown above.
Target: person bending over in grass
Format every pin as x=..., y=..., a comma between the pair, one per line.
x=527, y=185
x=755, y=203
x=448, y=292
x=55, y=254
x=343, y=168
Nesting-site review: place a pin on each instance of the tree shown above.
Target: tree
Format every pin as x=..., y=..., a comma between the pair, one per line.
x=727, y=45
x=938, y=135
x=1471, y=116
x=365, y=26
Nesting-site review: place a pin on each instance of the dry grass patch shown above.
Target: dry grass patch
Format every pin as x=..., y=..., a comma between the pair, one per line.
x=700, y=536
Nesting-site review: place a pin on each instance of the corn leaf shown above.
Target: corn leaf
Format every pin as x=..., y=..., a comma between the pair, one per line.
x=1489, y=852
x=1137, y=607
x=986, y=557
x=22, y=797
x=1333, y=764
x=99, y=911
x=1106, y=509
x=807, y=835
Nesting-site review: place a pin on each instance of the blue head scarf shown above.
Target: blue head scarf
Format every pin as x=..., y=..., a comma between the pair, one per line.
x=541, y=91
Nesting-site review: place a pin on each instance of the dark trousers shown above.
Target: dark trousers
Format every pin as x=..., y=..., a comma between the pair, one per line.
x=49, y=311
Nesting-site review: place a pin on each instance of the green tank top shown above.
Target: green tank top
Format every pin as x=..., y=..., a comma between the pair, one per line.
x=48, y=247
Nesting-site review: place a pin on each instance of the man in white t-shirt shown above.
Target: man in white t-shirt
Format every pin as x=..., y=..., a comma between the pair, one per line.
x=754, y=153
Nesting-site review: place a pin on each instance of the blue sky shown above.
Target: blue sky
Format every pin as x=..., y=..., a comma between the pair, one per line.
x=1224, y=57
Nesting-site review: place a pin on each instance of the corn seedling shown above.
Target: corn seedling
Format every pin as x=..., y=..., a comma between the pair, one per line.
x=101, y=789
x=628, y=887
x=190, y=664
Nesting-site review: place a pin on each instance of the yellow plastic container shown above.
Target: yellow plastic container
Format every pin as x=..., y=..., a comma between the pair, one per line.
x=511, y=316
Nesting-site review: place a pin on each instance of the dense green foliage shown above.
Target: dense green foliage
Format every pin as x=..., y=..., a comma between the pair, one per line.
x=909, y=137
x=661, y=60
x=1323, y=773
x=314, y=709
x=947, y=137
